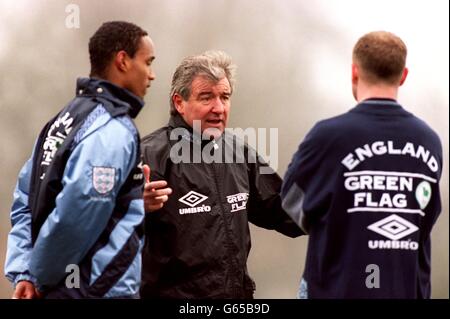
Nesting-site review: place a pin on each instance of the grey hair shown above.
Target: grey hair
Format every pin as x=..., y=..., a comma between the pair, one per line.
x=214, y=65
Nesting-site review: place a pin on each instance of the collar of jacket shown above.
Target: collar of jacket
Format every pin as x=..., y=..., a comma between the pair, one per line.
x=104, y=89
x=177, y=121
x=379, y=106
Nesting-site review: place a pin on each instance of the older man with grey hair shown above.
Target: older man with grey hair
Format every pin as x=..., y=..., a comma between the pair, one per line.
x=197, y=232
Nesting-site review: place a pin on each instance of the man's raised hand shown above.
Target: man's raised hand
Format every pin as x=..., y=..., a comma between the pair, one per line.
x=155, y=193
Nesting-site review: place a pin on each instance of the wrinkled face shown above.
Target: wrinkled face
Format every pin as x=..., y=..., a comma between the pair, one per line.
x=140, y=74
x=209, y=103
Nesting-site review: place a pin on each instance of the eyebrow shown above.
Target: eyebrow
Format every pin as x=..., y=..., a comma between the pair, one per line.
x=210, y=92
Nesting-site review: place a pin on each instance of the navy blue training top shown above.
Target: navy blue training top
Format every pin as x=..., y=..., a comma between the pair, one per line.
x=365, y=187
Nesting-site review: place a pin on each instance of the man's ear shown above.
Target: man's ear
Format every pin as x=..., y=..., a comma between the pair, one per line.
x=178, y=102
x=404, y=75
x=355, y=73
x=121, y=61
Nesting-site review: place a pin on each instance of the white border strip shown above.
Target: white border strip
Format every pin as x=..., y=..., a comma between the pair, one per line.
x=430, y=179
x=389, y=210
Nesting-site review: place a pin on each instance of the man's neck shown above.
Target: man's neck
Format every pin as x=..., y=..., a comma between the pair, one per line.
x=376, y=91
x=111, y=77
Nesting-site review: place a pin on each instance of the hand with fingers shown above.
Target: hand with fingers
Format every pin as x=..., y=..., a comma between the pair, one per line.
x=155, y=193
x=25, y=290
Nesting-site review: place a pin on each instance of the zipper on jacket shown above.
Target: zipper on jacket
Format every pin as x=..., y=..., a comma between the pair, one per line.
x=234, y=267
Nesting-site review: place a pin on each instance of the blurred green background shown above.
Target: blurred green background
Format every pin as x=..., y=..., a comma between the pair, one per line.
x=293, y=59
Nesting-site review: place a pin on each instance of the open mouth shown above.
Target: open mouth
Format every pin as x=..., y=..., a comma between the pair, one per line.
x=214, y=122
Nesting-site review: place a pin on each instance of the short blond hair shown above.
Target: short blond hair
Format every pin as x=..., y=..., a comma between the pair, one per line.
x=382, y=57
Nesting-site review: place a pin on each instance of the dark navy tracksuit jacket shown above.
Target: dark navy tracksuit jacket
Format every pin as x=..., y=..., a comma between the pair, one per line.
x=365, y=187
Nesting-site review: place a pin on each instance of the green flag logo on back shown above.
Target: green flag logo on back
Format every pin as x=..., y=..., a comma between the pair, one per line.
x=423, y=194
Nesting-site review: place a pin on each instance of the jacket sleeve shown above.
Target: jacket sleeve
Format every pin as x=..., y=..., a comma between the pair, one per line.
x=19, y=238
x=94, y=173
x=304, y=193
x=264, y=206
